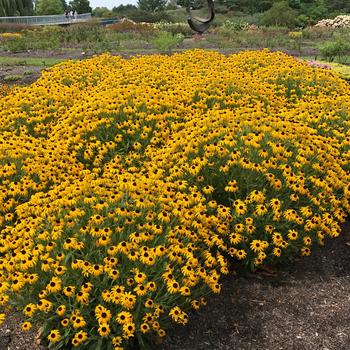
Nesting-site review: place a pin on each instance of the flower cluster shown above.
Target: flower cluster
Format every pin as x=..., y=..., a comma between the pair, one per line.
x=5, y=89
x=10, y=36
x=295, y=35
x=173, y=27
x=318, y=64
x=342, y=69
x=127, y=25
x=235, y=25
x=128, y=186
x=341, y=21
x=165, y=25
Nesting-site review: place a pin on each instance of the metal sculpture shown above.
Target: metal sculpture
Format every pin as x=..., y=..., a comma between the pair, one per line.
x=200, y=25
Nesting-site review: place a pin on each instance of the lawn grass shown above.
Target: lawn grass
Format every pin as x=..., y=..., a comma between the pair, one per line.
x=30, y=61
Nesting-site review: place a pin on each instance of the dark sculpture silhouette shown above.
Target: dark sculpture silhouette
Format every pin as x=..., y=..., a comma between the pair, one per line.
x=200, y=25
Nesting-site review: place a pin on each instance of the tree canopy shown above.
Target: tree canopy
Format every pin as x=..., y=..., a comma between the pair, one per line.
x=49, y=7
x=314, y=9
x=16, y=7
x=151, y=5
x=81, y=6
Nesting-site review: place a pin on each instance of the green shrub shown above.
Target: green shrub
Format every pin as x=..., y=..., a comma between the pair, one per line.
x=149, y=17
x=16, y=45
x=83, y=32
x=339, y=48
x=12, y=78
x=342, y=69
x=144, y=30
x=252, y=37
x=280, y=14
x=235, y=24
x=318, y=33
x=222, y=39
x=178, y=15
x=303, y=21
x=14, y=27
x=296, y=39
x=47, y=38
x=174, y=28
x=166, y=42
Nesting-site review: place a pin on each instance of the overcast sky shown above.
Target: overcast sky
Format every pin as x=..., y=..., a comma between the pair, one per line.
x=110, y=3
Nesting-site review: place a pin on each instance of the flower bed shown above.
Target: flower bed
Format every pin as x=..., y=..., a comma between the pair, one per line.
x=10, y=36
x=342, y=21
x=4, y=89
x=127, y=186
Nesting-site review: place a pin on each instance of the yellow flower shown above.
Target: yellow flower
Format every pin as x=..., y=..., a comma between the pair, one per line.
x=104, y=330
x=277, y=252
x=103, y=315
x=82, y=297
x=292, y=235
x=144, y=328
x=69, y=291
x=54, y=336
x=305, y=251
x=79, y=338
x=256, y=245
x=124, y=317
x=235, y=238
x=241, y=254
x=65, y=322
x=128, y=330
x=61, y=310
x=29, y=310
x=79, y=322
x=26, y=326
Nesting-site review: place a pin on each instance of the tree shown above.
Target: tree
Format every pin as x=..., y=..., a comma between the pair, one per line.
x=81, y=6
x=64, y=4
x=16, y=7
x=101, y=12
x=27, y=7
x=124, y=10
x=280, y=14
x=338, y=5
x=6, y=8
x=315, y=10
x=49, y=7
x=195, y=4
x=151, y=5
x=249, y=6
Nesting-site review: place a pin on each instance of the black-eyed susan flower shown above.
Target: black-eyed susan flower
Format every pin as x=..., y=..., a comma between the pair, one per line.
x=2, y=318
x=104, y=329
x=26, y=326
x=54, y=336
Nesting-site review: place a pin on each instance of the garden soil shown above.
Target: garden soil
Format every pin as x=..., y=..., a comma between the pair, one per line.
x=300, y=306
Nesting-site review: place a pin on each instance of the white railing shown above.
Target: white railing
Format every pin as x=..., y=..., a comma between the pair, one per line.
x=46, y=20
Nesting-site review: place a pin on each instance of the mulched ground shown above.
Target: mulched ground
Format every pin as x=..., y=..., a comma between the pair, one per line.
x=304, y=306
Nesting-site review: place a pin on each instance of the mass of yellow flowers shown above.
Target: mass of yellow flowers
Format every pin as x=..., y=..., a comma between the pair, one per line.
x=10, y=36
x=128, y=186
